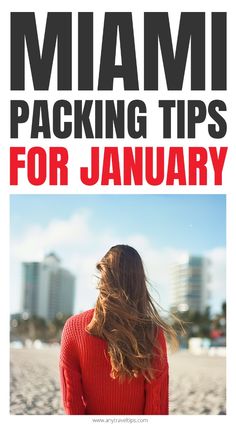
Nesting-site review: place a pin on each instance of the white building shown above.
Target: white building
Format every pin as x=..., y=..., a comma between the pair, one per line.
x=48, y=289
x=190, y=285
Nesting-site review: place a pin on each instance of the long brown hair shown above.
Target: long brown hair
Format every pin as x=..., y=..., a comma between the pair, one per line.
x=125, y=314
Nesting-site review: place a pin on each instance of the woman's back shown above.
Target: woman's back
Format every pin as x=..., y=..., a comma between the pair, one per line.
x=87, y=386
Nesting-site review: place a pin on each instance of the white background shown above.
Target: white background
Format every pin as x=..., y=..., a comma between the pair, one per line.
x=79, y=150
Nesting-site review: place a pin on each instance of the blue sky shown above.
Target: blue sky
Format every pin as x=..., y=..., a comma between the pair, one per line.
x=80, y=228
x=193, y=222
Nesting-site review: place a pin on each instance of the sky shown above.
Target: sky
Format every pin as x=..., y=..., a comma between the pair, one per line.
x=81, y=228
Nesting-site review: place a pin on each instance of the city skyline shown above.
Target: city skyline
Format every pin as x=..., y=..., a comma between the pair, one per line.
x=80, y=229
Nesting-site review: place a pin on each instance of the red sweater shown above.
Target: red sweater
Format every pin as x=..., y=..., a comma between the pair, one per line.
x=87, y=387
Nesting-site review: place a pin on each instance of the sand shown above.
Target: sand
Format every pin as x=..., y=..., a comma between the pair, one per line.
x=197, y=383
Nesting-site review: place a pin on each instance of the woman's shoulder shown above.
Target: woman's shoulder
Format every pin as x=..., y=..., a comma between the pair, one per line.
x=78, y=321
x=82, y=316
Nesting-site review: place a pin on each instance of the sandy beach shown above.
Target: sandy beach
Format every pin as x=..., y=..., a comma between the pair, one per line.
x=197, y=383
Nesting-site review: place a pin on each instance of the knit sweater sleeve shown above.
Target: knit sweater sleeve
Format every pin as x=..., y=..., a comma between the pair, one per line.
x=70, y=373
x=157, y=390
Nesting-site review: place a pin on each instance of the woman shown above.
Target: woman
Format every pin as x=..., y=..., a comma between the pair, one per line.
x=113, y=358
